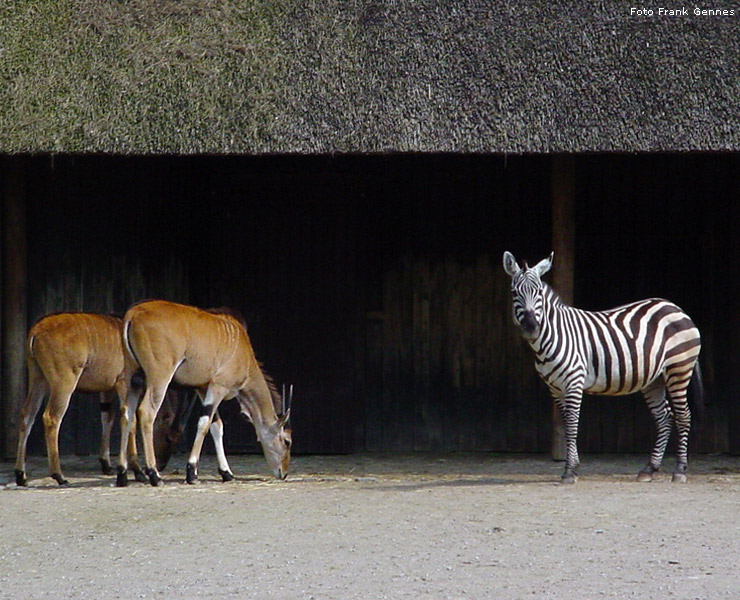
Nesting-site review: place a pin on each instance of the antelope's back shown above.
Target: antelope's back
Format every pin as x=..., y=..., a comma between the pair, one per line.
x=201, y=344
x=72, y=342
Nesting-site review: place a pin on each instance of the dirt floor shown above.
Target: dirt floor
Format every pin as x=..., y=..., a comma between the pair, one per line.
x=376, y=526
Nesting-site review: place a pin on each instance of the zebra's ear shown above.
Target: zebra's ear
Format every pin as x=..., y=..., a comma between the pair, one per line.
x=510, y=265
x=544, y=265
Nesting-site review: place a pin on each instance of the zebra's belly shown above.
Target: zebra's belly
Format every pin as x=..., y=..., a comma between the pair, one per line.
x=616, y=386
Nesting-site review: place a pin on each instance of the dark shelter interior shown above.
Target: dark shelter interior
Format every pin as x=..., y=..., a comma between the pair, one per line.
x=374, y=283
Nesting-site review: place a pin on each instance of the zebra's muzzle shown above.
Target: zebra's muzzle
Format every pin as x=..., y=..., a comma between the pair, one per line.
x=529, y=324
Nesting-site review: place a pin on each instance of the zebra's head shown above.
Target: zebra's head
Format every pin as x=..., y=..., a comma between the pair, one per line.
x=528, y=291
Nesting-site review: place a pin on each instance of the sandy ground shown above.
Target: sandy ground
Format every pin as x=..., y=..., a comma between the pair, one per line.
x=376, y=526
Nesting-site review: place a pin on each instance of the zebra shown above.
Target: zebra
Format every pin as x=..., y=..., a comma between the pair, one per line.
x=650, y=346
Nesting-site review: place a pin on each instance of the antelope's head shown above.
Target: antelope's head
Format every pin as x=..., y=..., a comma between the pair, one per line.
x=528, y=291
x=276, y=438
x=276, y=441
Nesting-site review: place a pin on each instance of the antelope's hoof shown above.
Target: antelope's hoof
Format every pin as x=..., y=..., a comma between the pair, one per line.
x=226, y=475
x=679, y=478
x=154, y=479
x=20, y=478
x=191, y=473
x=106, y=467
x=121, y=477
x=139, y=475
x=59, y=479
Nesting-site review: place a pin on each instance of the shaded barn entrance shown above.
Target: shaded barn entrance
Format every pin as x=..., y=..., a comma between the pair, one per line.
x=374, y=284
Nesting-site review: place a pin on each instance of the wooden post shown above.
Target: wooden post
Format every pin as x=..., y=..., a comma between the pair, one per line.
x=563, y=244
x=732, y=322
x=14, y=282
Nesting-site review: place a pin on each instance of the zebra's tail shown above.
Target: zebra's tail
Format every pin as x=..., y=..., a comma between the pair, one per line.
x=696, y=399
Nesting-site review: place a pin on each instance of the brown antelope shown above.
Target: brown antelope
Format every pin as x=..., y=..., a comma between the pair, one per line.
x=210, y=351
x=70, y=352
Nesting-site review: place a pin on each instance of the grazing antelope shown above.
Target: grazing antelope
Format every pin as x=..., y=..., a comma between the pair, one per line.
x=211, y=352
x=70, y=352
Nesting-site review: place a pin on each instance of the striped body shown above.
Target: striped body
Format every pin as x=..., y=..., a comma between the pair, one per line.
x=613, y=352
x=650, y=346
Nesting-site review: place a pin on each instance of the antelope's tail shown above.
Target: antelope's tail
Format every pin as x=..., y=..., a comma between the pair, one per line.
x=127, y=341
x=138, y=380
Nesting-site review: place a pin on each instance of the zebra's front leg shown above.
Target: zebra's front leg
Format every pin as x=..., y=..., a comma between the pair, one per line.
x=655, y=397
x=570, y=408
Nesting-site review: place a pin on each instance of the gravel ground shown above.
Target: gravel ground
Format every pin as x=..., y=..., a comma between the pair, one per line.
x=376, y=526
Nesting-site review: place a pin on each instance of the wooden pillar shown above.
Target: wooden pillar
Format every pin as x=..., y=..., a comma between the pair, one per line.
x=562, y=190
x=13, y=308
x=732, y=322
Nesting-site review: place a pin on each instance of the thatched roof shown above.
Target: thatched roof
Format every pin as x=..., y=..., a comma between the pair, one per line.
x=267, y=76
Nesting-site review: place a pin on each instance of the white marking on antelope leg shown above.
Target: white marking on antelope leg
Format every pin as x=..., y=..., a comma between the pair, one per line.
x=217, y=433
x=201, y=433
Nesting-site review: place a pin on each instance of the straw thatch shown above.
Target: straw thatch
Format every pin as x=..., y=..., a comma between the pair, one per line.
x=253, y=76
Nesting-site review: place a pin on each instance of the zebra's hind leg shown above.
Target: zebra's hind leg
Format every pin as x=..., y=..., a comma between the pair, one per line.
x=677, y=383
x=655, y=397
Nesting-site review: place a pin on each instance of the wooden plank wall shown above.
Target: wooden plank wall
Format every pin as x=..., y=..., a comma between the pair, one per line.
x=449, y=362
x=103, y=233
x=444, y=360
x=374, y=284
x=661, y=226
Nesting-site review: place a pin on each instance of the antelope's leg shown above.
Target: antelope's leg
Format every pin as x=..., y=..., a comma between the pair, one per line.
x=150, y=403
x=128, y=399
x=217, y=433
x=210, y=403
x=107, y=416
x=37, y=389
x=59, y=398
x=133, y=452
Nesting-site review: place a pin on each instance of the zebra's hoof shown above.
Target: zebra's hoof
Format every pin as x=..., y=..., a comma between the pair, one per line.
x=570, y=478
x=646, y=473
x=679, y=478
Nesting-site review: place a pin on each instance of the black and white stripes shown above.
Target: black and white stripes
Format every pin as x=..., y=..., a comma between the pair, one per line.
x=649, y=346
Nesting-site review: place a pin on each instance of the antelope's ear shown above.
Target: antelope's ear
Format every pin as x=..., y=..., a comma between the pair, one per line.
x=544, y=265
x=510, y=265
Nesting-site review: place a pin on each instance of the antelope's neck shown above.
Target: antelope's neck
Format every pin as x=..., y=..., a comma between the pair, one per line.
x=256, y=396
